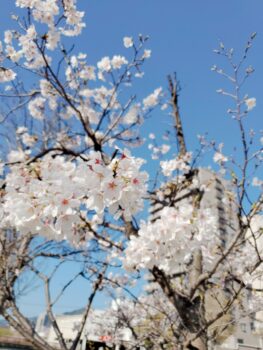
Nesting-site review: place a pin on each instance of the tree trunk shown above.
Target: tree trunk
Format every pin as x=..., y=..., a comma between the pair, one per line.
x=199, y=343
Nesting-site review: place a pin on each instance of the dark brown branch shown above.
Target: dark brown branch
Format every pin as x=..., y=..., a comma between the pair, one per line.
x=173, y=88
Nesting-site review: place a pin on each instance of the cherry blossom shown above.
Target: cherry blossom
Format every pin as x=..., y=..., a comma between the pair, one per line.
x=132, y=116
x=220, y=158
x=36, y=107
x=53, y=38
x=118, y=61
x=167, y=241
x=54, y=189
x=69, y=177
x=181, y=163
x=104, y=64
x=153, y=99
x=127, y=42
x=147, y=54
x=16, y=156
x=250, y=103
x=6, y=75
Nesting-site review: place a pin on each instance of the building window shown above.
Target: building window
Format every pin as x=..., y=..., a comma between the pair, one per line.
x=240, y=341
x=243, y=327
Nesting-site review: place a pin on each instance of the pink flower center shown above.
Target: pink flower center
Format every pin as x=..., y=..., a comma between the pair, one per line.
x=112, y=185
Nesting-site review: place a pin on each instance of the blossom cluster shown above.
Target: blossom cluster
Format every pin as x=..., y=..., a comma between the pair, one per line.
x=90, y=102
x=244, y=267
x=52, y=196
x=169, y=241
x=82, y=97
x=27, y=44
x=219, y=157
x=180, y=163
x=56, y=195
x=45, y=11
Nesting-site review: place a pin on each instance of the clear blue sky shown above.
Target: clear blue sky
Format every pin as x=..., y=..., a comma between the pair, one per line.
x=183, y=35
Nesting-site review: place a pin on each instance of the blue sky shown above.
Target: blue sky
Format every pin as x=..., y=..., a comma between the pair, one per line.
x=183, y=35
